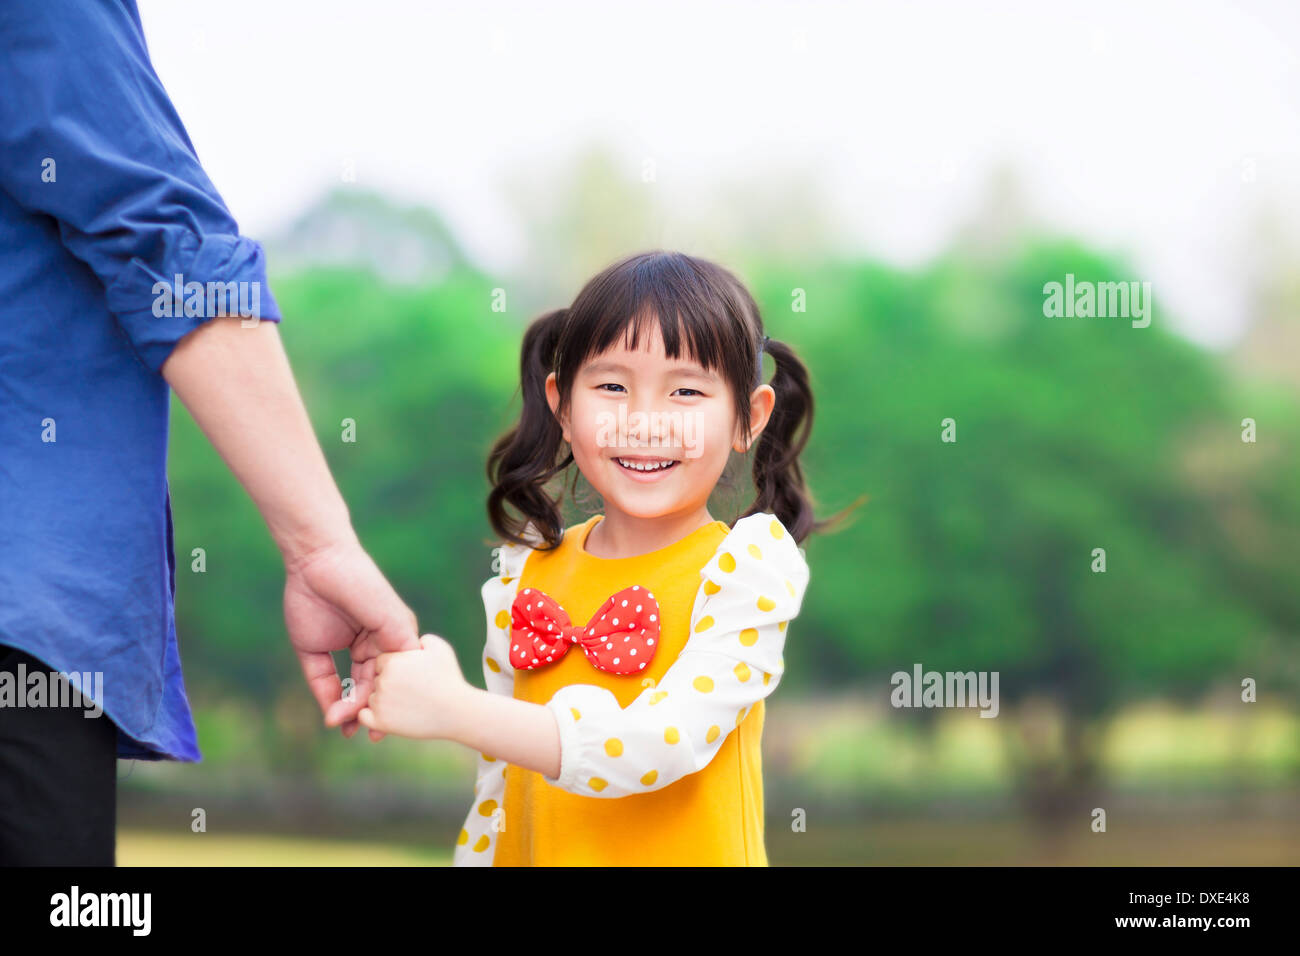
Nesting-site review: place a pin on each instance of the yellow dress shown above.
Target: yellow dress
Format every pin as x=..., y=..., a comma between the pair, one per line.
x=662, y=767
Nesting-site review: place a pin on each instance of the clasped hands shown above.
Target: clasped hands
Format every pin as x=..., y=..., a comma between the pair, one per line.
x=335, y=598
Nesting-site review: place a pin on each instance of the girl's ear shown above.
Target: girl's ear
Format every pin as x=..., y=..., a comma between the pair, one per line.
x=761, y=403
x=553, y=399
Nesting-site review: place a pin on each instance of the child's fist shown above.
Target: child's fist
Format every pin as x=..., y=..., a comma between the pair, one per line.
x=417, y=693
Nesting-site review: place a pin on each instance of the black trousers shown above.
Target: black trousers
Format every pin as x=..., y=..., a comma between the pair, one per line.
x=58, y=781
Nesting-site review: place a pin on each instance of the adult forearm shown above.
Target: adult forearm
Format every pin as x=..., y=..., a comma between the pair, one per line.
x=509, y=729
x=236, y=382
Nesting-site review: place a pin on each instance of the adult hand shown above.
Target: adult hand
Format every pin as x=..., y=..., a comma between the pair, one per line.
x=335, y=598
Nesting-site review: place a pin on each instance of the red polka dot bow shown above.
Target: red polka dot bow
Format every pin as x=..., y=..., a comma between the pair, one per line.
x=620, y=638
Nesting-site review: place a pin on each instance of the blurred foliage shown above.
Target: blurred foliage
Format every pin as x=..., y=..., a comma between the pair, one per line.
x=1072, y=434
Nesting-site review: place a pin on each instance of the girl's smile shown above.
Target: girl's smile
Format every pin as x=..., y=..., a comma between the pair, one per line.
x=646, y=469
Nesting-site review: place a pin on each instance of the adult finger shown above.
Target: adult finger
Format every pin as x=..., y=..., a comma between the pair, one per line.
x=342, y=711
x=398, y=632
x=363, y=682
x=322, y=679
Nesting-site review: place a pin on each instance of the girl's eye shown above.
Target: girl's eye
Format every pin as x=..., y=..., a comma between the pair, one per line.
x=694, y=391
x=609, y=385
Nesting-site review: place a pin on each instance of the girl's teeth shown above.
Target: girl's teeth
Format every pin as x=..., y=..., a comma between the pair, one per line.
x=643, y=466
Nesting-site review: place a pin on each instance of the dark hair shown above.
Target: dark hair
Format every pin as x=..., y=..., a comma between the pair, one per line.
x=702, y=310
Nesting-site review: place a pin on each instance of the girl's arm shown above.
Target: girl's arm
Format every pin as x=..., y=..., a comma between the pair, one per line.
x=582, y=741
x=515, y=731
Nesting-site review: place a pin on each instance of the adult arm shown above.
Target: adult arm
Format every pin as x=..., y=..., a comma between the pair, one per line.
x=89, y=138
x=236, y=382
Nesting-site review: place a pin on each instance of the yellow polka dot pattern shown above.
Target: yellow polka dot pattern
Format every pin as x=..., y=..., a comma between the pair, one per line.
x=706, y=683
x=475, y=841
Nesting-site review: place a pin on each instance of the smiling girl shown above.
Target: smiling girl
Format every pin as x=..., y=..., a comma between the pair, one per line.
x=628, y=657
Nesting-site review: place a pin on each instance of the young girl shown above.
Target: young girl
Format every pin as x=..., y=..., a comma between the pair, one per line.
x=628, y=657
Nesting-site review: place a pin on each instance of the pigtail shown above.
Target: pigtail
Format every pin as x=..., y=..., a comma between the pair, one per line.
x=778, y=478
x=523, y=460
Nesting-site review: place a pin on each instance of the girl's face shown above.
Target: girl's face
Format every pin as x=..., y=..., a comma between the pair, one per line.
x=651, y=434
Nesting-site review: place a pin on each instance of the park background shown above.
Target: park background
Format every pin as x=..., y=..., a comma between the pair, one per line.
x=915, y=175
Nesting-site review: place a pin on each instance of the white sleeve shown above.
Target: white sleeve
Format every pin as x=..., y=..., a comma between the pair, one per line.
x=733, y=658
x=476, y=844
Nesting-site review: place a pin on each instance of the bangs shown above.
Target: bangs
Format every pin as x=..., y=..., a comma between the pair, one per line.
x=691, y=311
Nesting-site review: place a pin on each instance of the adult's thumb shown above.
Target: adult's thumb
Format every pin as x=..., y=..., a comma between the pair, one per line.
x=398, y=632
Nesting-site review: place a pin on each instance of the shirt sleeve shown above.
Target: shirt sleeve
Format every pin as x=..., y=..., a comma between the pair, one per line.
x=476, y=845
x=89, y=137
x=751, y=588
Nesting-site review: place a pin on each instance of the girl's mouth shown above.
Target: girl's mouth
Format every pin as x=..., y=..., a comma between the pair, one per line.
x=646, y=469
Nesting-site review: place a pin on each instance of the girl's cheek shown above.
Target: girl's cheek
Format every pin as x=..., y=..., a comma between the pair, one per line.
x=580, y=422
x=717, y=432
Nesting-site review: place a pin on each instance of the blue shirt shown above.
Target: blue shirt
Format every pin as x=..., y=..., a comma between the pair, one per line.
x=103, y=204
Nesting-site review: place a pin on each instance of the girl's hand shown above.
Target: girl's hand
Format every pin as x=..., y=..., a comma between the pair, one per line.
x=417, y=693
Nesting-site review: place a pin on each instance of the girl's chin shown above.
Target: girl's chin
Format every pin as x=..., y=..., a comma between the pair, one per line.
x=647, y=503
x=650, y=503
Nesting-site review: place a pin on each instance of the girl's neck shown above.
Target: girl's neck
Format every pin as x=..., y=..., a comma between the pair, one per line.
x=620, y=535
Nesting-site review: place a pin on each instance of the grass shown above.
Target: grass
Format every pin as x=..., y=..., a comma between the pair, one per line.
x=1144, y=841
x=146, y=848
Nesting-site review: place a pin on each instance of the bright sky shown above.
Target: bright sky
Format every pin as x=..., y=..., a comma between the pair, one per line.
x=1159, y=130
